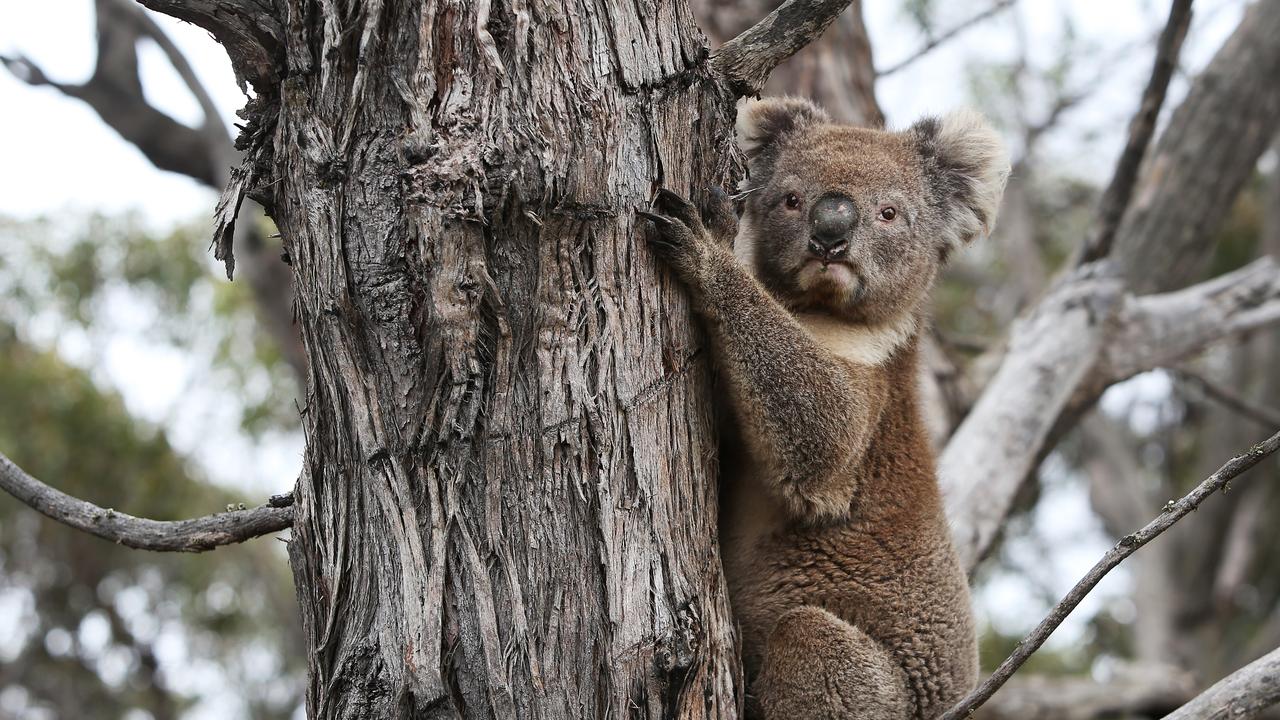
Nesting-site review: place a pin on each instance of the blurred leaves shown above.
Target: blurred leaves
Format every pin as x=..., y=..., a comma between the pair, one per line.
x=98, y=276
x=84, y=623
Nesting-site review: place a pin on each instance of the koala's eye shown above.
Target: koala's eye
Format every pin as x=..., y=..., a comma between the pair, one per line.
x=793, y=201
x=887, y=214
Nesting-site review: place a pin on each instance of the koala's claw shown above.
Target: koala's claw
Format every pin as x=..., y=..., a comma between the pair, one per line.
x=673, y=240
x=655, y=218
x=672, y=204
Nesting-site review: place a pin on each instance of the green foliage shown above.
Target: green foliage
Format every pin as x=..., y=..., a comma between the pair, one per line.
x=102, y=626
x=75, y=274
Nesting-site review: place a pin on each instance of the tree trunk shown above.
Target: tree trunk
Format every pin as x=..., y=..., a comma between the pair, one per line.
x=508, y=504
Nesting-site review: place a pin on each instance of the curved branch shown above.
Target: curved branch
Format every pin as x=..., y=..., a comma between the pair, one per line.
x=194, y=535
x=114, y=92
x=213, y=125
x=1243, y=693
x=1129, y=544
x=743, y=64
x=249, y=30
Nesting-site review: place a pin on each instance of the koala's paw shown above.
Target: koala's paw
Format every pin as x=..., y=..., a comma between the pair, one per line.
x=681, y=238
x=719, y=216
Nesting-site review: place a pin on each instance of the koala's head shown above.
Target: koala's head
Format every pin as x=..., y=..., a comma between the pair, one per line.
x=857, y=222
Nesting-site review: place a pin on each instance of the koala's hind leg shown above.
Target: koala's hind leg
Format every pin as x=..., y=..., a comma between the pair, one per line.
x=819, y=667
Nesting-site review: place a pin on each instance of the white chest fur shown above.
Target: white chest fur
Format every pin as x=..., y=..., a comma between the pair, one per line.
x=862, y=344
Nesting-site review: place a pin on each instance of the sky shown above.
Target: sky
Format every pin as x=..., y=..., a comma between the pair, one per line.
x=57, y=157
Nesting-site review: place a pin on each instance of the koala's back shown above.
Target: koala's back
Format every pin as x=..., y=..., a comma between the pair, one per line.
x=890, y=569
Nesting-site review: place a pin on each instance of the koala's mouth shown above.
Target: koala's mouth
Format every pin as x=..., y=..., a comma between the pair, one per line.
x=835, y=281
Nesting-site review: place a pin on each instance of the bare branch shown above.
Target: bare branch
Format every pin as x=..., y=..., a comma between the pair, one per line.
x=1172, y=513
x=1115, y=199
x=946, y=35
x=1229, y=398
x=1204, y=157
x=1160, y=330
x=1242, y=694
x=743, y=64
x=1084, y=336
x=1051, y=350
x=213, y=124
x=1213, y=142
x=114, y=91
x=249, y=30
x=194, y=535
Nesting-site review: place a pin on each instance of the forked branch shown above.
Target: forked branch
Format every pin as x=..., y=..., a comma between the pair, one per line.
x=1172, y=513
x=194, y=535
x=743, y=64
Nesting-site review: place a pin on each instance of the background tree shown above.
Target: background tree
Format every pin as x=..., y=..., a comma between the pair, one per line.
x=430, y=309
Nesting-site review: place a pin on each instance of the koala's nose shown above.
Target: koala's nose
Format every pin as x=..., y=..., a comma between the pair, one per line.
x=831, y=219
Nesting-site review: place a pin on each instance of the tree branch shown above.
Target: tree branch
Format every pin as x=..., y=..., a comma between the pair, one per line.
x=114, y=91
x=194, y=535
x=1206, y=154
x=1230, y=399
x=249, y=30
x=1115, y=199
x=1172, y=513
x=743, y=64
x=1084, y=336
x=1071, y=338
x=935, y=41
x=1243, y=693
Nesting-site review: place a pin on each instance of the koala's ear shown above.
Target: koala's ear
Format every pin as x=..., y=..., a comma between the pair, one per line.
x=967, y=165
x=762, y=123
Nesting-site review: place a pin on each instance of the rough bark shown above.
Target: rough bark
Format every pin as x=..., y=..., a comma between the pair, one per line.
x=1203, y=158
x=507, y=506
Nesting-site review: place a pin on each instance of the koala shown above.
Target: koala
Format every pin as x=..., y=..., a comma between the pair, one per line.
x=842, y=576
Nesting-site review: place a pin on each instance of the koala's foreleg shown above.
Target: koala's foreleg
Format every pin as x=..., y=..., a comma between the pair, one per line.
x=805, y=412
x=819, y=667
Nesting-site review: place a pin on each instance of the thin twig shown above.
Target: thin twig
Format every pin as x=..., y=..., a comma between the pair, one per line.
x=1270, y=417
x=744, y=63
x=1115, y=199
x=194, y=535
x=1172, y=513
x=937, y=40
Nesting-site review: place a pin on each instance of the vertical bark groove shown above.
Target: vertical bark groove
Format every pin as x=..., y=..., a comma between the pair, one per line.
x=508, y=501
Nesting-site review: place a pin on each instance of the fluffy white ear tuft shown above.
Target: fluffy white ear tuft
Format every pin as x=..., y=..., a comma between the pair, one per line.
x=971, y=166
x=762, y=123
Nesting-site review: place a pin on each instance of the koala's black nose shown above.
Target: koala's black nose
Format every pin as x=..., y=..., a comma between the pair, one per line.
x=831, y=218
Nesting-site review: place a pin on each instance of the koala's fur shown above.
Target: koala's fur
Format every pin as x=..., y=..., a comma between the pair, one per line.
x=842, y=575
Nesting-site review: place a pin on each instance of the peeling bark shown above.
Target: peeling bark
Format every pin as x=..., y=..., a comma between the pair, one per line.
x=507, y=506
